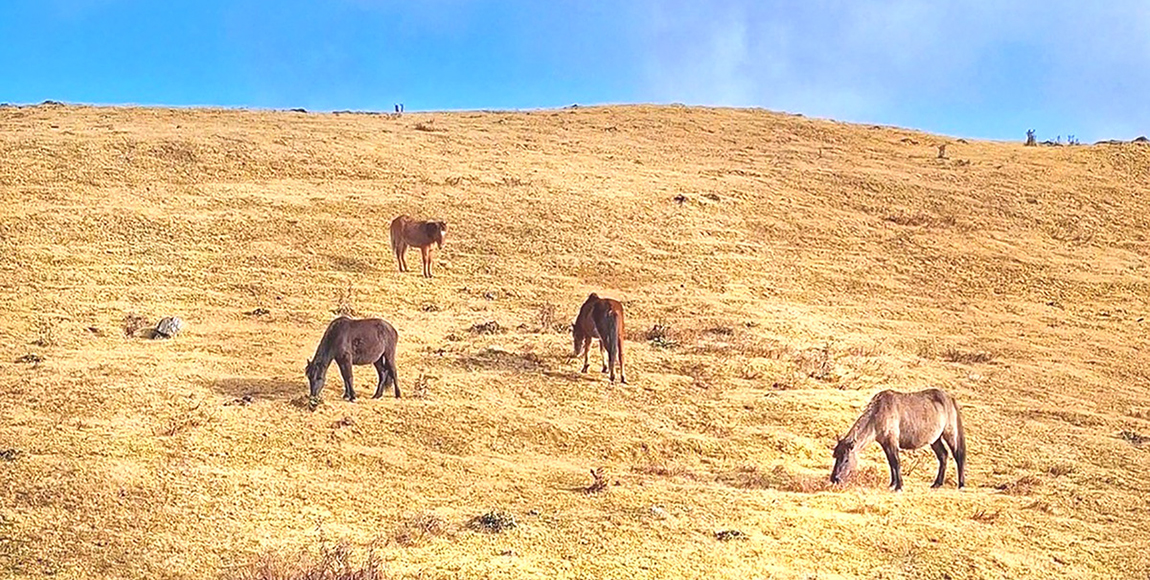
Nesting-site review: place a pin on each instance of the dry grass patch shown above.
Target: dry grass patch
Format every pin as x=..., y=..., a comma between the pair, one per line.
x=1024, y=485
x=338, y=562
x=493, y=521
x=419, y=529
x=1135, y=439
x=966, y=357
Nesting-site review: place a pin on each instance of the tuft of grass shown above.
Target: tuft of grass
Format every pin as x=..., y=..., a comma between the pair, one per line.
x=337, y=562
x=598, y=484
x=418, y=529
x=345, y=302
x=1135, y=439
x=9, y=454
x=489, y=327
x=1022, y=486
x=966, y=357
x=985, y=516
x=816, y=363
x=30, y=359
x=545, y=318
x=421, y=387
x=728, y=535
x=494, y=521
x=134, y=323
x=45, y=333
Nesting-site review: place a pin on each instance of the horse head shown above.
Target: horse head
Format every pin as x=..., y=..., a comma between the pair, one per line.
x=442, y=227
x=315, y=377
x=846, y=458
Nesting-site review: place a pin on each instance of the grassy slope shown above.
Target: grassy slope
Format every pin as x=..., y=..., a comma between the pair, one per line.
x=797, y=235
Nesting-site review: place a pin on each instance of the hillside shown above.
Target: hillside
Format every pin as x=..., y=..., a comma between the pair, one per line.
x=776, y=271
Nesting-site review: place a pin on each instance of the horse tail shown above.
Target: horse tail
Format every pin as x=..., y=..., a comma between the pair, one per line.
x=609, y=335
x=397, y=233
x=389, y=359
x=960, y=435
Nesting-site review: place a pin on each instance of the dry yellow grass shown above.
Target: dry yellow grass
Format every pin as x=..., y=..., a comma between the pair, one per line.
x=809, y=265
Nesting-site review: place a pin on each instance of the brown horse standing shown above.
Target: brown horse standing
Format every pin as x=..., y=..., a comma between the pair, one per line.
x=905, y=421
x=406, y=232
x=355, y=342
x=600, y=318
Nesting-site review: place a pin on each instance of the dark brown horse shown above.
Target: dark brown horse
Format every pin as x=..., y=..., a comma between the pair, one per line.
x=406, y=232
x=600, y=318
x=355, y=342
x=905, y=421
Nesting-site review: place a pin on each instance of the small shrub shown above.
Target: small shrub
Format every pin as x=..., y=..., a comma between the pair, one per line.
x=728, y=535
x=330, y=563
x=598, y=484
x=494, y=521
x=9, y=454
x=659, y=336
x=426, y=127
x=1135, y=439
x=134, y=323
x=30, y=359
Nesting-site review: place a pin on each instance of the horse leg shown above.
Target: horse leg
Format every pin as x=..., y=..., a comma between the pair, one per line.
x=891, y=451
x=381, y=369
x=940, y=452
x=603, y=353
x=612, y=355
x=425, y=253
x=345, y=370
x=619, y=348
x=585, y=346
x=389, y=356
x=399, y=251
x=957, y=443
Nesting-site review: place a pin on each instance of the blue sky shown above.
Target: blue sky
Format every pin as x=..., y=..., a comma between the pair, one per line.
x=975, y=68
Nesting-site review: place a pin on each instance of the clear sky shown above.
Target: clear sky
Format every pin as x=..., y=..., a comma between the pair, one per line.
x=975, y=68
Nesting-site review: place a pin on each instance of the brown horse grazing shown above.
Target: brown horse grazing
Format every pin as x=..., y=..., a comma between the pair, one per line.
x=905, y=421
x=355, y=342
x=406, y=232
x=600, y=318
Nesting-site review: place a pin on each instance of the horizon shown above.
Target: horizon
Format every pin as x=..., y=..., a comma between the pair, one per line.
x=981, y=69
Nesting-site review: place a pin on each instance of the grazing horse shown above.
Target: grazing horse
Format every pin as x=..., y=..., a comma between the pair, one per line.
x=600, y=318
x=355, y=342
x=905, y=421
x=407, y=232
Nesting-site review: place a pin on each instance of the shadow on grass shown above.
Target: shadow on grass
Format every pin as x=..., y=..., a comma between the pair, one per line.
x=256, y=388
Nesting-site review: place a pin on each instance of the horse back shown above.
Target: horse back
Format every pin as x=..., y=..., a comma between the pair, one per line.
x=608, y=314
x=365, y=340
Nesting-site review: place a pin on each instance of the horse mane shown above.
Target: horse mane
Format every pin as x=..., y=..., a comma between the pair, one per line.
x=864, y=422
